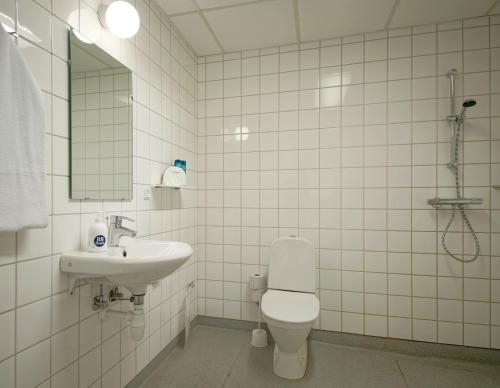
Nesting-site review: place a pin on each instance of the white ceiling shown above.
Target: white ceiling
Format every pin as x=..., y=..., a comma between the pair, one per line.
x=215, y=26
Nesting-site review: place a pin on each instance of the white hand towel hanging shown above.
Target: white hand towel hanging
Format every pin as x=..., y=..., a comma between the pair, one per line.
x=23, y=201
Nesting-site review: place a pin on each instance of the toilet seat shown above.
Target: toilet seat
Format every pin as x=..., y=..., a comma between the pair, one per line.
x=288, y=308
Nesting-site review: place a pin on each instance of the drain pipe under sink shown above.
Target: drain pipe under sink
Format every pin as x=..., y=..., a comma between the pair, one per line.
x=136, y=317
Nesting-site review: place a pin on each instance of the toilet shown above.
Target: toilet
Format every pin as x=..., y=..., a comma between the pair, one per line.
x=290, y=305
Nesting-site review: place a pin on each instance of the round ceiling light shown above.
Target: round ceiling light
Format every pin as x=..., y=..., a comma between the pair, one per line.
x=121, y=18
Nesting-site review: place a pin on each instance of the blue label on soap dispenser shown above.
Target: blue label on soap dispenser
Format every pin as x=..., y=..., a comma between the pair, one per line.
x=99, y=240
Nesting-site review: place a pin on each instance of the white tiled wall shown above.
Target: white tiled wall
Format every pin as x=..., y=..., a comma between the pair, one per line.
x=342, y=142
x=50, y=339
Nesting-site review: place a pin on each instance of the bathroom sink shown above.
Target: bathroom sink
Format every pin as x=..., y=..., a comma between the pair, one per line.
x=134, y=264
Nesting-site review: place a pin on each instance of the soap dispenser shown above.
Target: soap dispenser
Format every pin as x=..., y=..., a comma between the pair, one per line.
x=98, y=234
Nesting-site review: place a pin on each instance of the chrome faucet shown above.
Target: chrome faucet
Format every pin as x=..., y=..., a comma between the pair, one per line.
x=116, y=230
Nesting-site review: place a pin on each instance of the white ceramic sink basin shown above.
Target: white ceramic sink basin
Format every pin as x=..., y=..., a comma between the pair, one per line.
x=134, y=265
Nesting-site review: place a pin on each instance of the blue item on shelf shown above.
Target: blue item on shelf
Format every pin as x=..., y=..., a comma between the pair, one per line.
x=180, y=163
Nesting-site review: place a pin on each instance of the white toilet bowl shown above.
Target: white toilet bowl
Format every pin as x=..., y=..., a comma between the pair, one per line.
x=290, y=306
x=290, y=316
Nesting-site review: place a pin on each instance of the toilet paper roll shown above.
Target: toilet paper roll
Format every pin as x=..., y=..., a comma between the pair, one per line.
x=256, y=281
x=256, y=295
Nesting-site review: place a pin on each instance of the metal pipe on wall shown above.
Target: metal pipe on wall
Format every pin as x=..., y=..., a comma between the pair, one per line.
x=451, y=118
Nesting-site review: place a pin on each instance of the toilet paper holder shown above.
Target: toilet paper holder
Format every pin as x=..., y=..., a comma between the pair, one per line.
x=256, y=281
x=257, y=286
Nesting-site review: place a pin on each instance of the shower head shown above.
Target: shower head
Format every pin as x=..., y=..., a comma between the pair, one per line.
x=468, y=103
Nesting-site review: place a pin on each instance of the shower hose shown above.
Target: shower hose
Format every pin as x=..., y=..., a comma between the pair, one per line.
x=460, y=208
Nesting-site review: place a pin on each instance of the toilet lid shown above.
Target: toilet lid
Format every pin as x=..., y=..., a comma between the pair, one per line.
x=289, y=306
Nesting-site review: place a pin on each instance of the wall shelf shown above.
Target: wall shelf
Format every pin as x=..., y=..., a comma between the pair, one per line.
x=171, y=186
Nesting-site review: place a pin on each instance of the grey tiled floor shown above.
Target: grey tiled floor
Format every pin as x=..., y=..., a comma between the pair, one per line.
x=224, y=358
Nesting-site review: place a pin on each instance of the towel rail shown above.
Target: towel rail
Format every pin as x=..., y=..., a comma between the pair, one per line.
x=15, y=33
x=16, y=10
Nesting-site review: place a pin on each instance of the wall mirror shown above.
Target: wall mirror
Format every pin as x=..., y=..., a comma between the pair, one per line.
x=101, y=123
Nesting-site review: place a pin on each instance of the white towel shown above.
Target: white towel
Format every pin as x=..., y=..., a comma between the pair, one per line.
x=23, y=201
